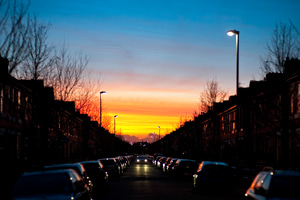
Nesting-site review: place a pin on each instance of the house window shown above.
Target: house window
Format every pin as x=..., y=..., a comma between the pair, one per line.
x=7, y=91
x=1, y=99
x=292, y=104
x=19, y=99
x=26, y=108
x=298, y=104
x=298, y=99
x=12, y=94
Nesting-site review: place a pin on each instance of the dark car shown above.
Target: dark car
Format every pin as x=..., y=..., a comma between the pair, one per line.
x=278, y=184
x=169, y=168
x=53, y=184
x=111, y=166
x=121, y=165
x=184, y=168
x=214, y=176
x=97, y=174
x=78, y=168
x=160, y=162
x=166, y=163
x=156, y=158
x=124, y=161
x=142, y=159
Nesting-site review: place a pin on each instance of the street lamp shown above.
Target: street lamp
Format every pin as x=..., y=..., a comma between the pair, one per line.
x=115, y=124
x=159, y=139
x=102, y=92
x=231, y=33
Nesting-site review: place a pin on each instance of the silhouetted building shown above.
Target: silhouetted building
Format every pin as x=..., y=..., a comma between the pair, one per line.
x=269, y=125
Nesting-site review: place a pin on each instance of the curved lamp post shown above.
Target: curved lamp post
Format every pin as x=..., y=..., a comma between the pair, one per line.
x=158, y=132
x=231, y=33
x=159, y=139
x=115, y=124
x=102, y=92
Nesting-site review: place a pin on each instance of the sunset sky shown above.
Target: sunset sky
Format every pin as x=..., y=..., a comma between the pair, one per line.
x=154, y=57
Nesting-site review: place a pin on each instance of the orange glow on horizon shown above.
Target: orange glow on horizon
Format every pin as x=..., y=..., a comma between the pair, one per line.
x=141, y=112
x=141, y=125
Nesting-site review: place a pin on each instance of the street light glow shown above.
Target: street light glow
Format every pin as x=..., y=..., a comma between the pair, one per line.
x=232, y=32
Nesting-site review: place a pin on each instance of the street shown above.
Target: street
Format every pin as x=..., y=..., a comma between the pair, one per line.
x=145, y=181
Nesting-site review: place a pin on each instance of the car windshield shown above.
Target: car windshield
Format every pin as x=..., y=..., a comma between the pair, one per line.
x=51, y=183
x=285, y=186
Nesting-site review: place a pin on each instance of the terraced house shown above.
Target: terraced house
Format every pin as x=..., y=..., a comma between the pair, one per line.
x=264, y=131
x=36, y=129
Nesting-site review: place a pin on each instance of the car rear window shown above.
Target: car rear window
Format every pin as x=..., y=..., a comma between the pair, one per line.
x=51, y=183
x=285, y=186
x=91, y=168
x=107, y=162
x=217, y=169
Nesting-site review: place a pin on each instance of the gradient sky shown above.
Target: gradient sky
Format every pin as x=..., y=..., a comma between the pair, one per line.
x=155, y=56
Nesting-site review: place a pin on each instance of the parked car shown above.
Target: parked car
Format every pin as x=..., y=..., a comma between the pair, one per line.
x=160, y=162
x=124, y=161
x=111, y=166
x=278, y=184
x=121, y=165
x=165, y=164
x=214, y=176
x=78, y=168
x=184, y=168
x=156, y=158
x=53, y=184
x=97, y=174
x=169, y=168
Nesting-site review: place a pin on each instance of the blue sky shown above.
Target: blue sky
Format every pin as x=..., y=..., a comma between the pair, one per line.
x=152, y=53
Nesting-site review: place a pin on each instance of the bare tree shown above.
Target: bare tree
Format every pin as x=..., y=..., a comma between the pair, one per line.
x=107, y=122
x=281, y=46
x=38, y=64
x=296, y=38
x=14, y=29
x=212, y=93
x=69, y=73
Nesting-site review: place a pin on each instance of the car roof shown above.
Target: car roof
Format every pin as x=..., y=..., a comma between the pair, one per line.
x=64, y=164
x=107, y=159
x=285, y=173
x=79, y=167
x=49, y=172
x=214, y=163
x=90, y=161
x=184, y=160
